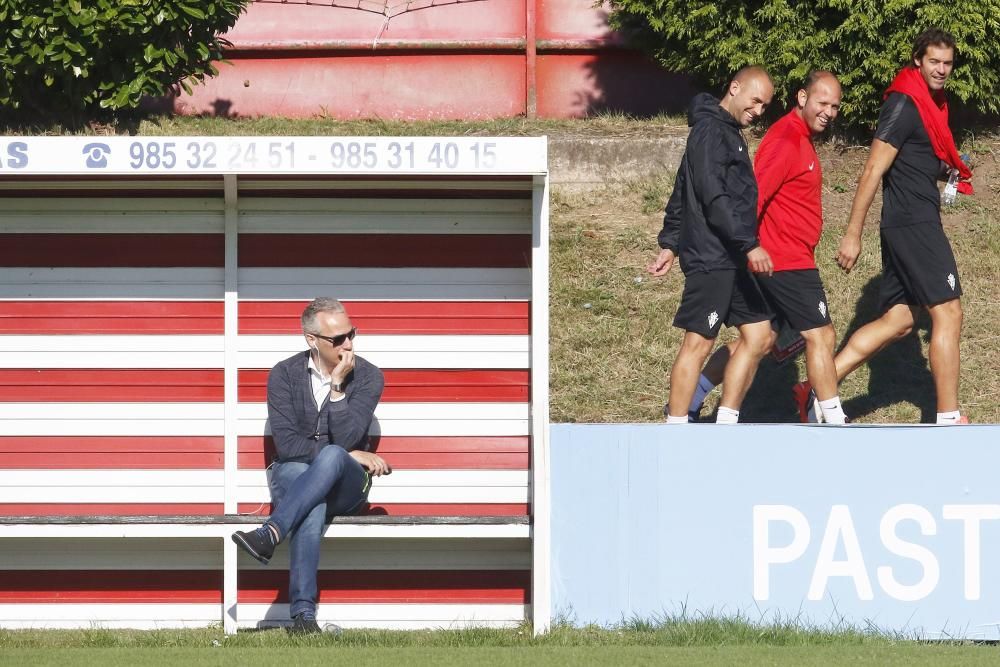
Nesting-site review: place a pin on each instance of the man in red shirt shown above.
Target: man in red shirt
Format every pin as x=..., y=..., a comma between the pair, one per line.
x=790, y=213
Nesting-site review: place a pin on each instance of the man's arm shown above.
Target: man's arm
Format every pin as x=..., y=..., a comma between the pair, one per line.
x=349, y=419
x=670, y=234
x=879, y=160
x=289, y=441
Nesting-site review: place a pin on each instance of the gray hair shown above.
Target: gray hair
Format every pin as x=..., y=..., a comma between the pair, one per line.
x=323, y=304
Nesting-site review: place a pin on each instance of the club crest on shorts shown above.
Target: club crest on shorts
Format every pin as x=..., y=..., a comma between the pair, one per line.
x=822, y=309
x=951, y=281
x=713, y=317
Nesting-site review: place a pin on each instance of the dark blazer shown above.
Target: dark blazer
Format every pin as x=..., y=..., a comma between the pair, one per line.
x=300, y=428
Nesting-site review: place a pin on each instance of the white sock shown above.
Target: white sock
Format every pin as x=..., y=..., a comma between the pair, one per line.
x=727, y=416
x=833, y=411
x=701, y=391
x=677, y=420
x=948, y=417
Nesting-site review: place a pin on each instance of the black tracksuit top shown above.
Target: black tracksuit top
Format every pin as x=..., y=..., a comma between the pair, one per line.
x=710, y=221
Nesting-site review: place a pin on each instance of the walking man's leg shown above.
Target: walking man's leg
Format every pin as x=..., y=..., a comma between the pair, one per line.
x=822, y=372
x=755, y=341
x=685, y=373
x=946, y=333
x=895, y=323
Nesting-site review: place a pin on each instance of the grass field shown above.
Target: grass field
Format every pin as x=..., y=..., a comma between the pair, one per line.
x=708, y=642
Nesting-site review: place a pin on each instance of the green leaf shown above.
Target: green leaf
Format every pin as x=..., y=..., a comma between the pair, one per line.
x=192, y=11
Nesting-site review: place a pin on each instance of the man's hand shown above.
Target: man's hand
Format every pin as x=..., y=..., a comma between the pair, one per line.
x=662, y=264
x=759, y=261
x=847, y=254
x=373, y=463
x=343, y=367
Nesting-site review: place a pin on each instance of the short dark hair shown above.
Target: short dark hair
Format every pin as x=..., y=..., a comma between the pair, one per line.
x=816, y=75
x=932, y=37
x=323, y=304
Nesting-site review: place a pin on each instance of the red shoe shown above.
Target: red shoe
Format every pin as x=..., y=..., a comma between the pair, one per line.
x=805, y=401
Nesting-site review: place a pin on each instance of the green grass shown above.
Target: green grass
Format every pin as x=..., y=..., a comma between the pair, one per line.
x=697, y=642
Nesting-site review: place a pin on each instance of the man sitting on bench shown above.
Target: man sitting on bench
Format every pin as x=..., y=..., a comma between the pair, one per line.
x=320, y=404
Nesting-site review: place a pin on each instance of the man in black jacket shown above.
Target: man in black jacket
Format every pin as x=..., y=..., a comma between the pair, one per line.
x=711, y=224
x=320, y=405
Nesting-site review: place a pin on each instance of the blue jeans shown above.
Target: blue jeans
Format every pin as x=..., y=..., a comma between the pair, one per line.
x=306, y=496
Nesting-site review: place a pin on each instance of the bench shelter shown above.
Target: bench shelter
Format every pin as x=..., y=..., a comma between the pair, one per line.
x=147, y=286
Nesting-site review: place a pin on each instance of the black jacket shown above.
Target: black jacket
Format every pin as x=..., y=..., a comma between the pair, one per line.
x=300, y=428
x=711, y=217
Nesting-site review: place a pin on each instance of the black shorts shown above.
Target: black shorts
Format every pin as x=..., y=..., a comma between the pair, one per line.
x=918, y=267
x=714, y=298
x=797, y=297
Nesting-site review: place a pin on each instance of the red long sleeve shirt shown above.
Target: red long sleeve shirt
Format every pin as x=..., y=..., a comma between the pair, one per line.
x=789, y=194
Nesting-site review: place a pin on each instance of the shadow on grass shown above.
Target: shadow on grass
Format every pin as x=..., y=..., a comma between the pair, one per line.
x=897, y=374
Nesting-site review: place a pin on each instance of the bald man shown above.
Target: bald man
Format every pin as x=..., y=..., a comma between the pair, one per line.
x=710, y=223
x=790, y=211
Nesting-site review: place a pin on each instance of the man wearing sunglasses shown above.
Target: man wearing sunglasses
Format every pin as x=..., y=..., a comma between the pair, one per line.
x=320, y=405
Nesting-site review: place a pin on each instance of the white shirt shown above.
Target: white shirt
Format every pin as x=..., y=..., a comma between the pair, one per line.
x=321, y=384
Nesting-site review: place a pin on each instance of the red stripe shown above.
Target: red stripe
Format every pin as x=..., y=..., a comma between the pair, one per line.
x=111, y=317
x=385, y=250
x=110, y=509
x=423, y=386
x=206, y=385
x=395, y=317
x=399, y=586
x=97, y=586
x=418, y=453
x=111, y=385
x=420, y=509
x=97, y=452
x=112, y=250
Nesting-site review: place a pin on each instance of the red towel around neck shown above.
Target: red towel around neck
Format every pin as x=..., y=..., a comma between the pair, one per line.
x=933, y=111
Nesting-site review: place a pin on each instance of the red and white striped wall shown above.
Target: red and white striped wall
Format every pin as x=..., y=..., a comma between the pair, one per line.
x=138, y=322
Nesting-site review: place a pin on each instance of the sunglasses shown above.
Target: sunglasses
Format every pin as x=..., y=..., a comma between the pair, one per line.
x=339, y=338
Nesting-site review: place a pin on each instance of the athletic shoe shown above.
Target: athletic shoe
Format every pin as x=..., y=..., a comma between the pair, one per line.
x=305, y=624
x=258, y=543
x=807, y=403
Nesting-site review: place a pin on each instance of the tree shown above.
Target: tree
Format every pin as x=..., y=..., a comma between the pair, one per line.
x=74, y=58
x=865, y=42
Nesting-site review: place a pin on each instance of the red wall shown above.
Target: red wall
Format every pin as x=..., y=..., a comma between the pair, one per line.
x=469, y=59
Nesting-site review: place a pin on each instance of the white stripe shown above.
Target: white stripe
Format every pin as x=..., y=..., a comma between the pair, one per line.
x=202, y=351
x=451, y=351
x=389, y=284
x=339, y=531
x=111, y=283
x=83, y=615
x=204, y=554
x=439, y=615
x=206, y=419
x=252, y=182
x=153, y=616
x=108, y=215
